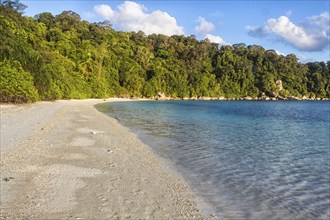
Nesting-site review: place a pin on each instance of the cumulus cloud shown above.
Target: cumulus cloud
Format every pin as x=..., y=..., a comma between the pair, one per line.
x=131, y=16
x=312, y=36
x=215, y=39
x=204, y=26
x=104, y=10
x=322, y=21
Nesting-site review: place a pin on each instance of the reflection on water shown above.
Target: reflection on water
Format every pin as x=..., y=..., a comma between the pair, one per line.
x=248, y=160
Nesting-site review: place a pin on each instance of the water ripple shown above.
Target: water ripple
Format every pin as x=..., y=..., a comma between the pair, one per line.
x=248, y=160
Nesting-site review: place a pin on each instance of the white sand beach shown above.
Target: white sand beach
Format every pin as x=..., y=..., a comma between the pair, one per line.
x=66, y=160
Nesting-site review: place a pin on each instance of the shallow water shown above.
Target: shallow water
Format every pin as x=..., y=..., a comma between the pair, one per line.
x=245, y=159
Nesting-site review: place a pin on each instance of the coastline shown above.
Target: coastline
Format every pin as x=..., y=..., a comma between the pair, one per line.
x=65, y=159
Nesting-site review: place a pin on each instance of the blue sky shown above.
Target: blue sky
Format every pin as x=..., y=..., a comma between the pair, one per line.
x=298, y=27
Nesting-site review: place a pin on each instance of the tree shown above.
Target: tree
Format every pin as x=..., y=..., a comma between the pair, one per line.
x=47, y=18
x=15, y=5
x=68, y=20
x=65, y=57
x=16, y=85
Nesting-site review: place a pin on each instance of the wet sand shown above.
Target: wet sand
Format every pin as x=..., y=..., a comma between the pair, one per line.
x=66, y=160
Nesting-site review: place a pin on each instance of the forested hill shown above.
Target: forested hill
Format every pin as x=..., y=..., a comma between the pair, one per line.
x=52, y=57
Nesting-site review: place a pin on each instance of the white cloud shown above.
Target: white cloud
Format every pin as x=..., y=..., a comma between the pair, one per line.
x=313, y=36
x=322, y=21
x=131, y=11
x=280, y=53
x=204, y=26
x=290, y=32
x=131, y=16
x=104, y=10
x=215, y=39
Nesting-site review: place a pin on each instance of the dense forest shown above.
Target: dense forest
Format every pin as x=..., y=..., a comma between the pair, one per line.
x=49, y=57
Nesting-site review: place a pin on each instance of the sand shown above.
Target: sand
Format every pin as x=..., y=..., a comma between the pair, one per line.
x=66, y=160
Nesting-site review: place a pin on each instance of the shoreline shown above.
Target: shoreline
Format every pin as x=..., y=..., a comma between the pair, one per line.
x=65, y=159
x=6, y=105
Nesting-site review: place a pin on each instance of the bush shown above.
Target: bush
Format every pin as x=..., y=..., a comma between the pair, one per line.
x=16, y=85
x=284, y=93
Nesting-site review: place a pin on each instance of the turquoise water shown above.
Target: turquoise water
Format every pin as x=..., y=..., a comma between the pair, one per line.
x=245, y=159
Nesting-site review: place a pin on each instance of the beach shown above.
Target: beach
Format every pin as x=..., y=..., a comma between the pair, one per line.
x=66, y=160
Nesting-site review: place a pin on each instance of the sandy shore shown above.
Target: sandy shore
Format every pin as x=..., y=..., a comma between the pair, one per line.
x=66, y=160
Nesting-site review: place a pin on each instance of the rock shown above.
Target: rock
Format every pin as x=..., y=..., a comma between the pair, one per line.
x=161, y=96
x=279, y=84
x=273, y=94
x=304, y=98
x=204, y=98
x=7, y=179
x=293, y=98
x=247, y=98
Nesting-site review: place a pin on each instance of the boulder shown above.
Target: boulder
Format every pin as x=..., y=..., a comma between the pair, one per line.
x=279, y=84
x=248, y=98
x=161, y=96
x=304, y=98
x=204, y=98
x=273, y=94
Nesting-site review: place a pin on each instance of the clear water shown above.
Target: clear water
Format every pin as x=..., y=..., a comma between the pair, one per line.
x=245, y=159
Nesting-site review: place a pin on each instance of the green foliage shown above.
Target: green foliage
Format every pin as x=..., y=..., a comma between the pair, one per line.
x=284, y=93
x=62, y=57
x=16, y=85
x=15, y=5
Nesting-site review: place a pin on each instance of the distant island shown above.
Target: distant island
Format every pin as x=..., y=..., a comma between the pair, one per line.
x=49, y=57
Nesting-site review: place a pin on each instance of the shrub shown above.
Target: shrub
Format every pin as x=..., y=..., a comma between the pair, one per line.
x=16, y=85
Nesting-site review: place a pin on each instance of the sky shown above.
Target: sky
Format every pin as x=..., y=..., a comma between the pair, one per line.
x=288, y=27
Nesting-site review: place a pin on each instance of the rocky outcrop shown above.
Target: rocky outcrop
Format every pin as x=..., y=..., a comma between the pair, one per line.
x=271, y=96
x=279, y=85
x=161, y=95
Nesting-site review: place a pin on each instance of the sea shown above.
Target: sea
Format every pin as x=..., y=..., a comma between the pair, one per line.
x=243, y=159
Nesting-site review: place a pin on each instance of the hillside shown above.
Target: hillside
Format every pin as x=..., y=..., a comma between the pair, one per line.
x=51, y=57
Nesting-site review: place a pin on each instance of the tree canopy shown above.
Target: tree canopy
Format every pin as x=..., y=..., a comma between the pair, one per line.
x=52, y=57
